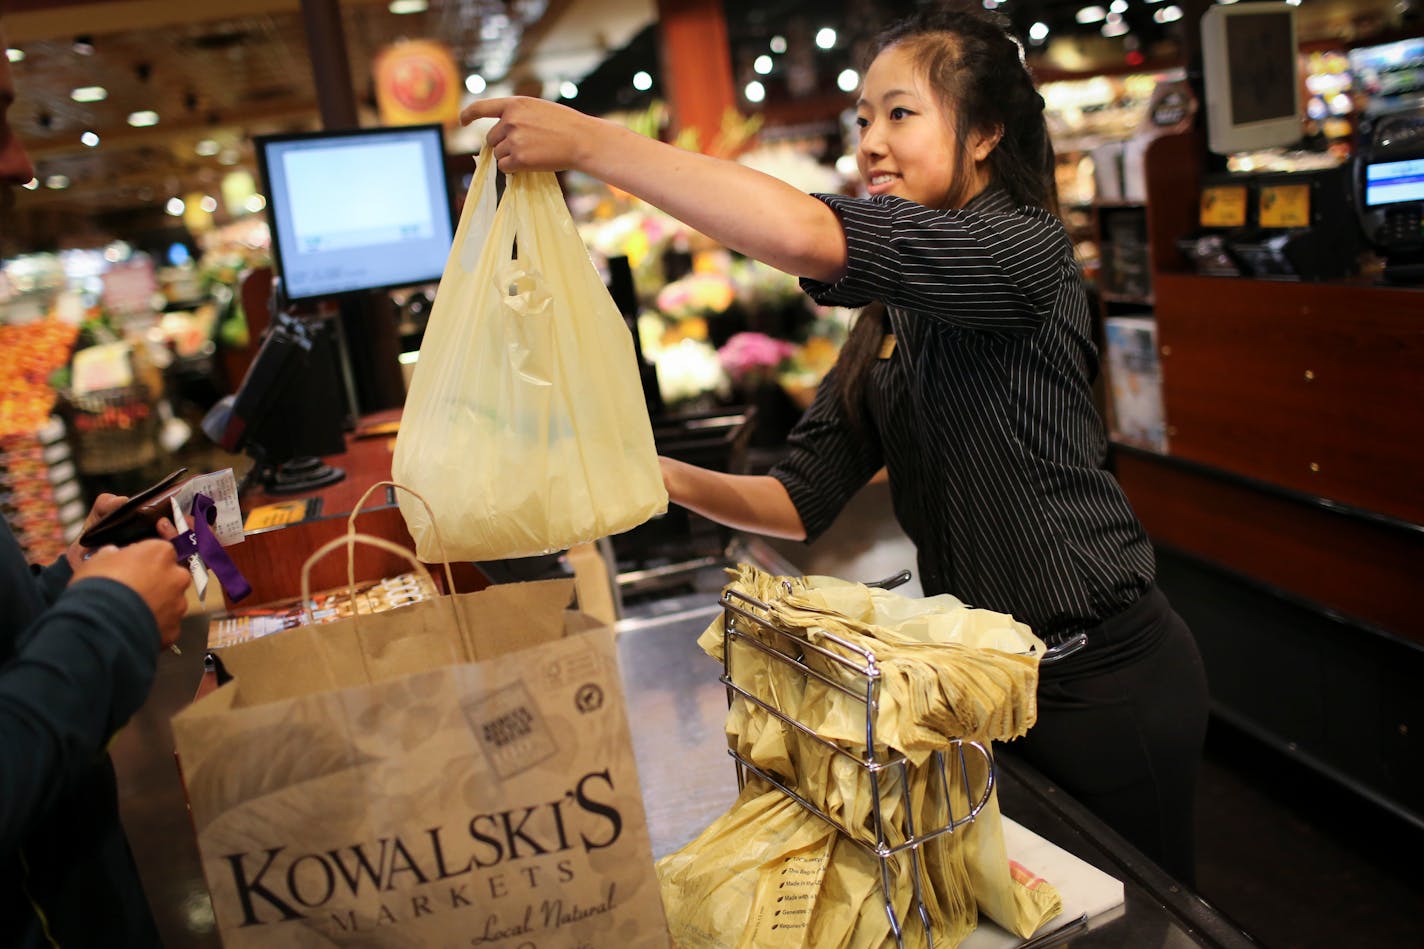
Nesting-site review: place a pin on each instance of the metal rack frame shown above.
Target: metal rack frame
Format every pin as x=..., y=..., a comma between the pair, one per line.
x=742, y=622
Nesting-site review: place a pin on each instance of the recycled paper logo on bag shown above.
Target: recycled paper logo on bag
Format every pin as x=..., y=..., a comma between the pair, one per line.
x=408, y=876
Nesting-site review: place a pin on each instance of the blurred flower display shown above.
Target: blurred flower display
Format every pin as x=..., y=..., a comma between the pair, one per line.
x=754, y=358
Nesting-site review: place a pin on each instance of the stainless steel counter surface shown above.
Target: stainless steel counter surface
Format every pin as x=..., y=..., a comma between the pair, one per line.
x=676, y=707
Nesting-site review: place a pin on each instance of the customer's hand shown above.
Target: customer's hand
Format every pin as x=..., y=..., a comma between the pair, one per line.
x=104, y=505
x=150, y=568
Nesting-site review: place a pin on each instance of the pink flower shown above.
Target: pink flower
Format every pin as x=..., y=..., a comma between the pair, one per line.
x=747, y=353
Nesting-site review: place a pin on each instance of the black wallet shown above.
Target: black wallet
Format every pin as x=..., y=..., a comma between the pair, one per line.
x=138, y=517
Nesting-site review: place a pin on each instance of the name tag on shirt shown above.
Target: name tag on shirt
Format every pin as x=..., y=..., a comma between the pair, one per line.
x=887, y=345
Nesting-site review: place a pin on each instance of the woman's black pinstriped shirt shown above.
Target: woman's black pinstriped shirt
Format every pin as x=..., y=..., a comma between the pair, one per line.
x=982, y=413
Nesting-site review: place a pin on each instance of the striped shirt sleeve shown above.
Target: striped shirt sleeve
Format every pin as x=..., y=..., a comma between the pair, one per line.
x=827, y=461
x=994, y=272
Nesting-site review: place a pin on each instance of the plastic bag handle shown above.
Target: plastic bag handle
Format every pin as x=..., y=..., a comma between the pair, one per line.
x=477, y=218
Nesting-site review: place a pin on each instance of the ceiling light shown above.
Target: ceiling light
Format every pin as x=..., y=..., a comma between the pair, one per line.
x=175, y=206
x=1114, y=29
x=255, y=203
x=84, y=45
x=15, y=54
x=1168, y=14
x=991, y=4
x=1038, y=32
x=848, y=80
x=826, y=37
x=408, y=6
x=208, y=147
x=568, y=89
x=1118, y=6
x=90, y=138
x=778, y=44
x=89, y=94
x=209, y=203
x=57, y=182
x=755, y=91
x=642, y=81
x=1090, y=15
x=31, y=185
x=475, y=83
x=143, y=119
x=762, y=65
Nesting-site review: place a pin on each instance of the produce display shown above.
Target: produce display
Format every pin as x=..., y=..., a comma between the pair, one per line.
x=39, y=496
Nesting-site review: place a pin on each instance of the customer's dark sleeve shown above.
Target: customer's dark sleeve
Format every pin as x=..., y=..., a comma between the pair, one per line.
x=988, y=271
x=828, y=461
x=85, y=667
x=53, y=579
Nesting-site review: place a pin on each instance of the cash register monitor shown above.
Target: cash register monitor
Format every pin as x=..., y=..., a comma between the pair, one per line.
x=356, y=210
x=1250, y=74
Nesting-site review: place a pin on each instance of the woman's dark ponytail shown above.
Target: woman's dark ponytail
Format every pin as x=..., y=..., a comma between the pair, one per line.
x=973, y=62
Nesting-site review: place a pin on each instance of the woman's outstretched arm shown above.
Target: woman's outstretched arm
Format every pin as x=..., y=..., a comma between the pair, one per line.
x=745, y=210
x=754, y=503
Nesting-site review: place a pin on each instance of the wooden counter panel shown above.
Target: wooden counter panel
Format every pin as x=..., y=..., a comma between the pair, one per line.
x=272, y=559
x=1314, y=387
x=1359, y=568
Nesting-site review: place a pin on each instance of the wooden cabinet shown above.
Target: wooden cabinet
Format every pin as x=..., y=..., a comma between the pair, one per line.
x=1288, y=509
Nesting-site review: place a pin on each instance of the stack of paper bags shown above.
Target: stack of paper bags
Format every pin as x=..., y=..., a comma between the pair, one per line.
x=770, y=873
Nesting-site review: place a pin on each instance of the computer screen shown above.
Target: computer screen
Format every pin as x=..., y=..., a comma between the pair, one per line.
x=1249, y=67
x=365, y=209
x=1393, y=182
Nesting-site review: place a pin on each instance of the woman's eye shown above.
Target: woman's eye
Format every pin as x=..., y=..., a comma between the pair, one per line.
x=900, y=112
x=862, y=121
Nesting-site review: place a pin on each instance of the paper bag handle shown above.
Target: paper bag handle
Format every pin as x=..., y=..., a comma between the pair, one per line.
x=350, y=540
x=434, y=527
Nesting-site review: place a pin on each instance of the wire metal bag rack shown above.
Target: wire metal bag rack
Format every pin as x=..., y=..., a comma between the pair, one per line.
x=748, y=621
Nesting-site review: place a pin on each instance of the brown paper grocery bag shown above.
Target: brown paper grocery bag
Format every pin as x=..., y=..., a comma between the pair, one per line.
x=362, y=783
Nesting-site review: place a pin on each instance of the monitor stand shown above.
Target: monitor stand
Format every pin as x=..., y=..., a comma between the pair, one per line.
x=298, y=475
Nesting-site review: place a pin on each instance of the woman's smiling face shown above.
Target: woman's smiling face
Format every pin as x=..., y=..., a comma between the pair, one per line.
x=908, y=146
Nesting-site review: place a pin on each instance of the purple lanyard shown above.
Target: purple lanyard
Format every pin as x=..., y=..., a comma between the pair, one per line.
x=199, y=540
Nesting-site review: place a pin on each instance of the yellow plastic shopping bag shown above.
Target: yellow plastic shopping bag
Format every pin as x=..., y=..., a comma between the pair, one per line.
x=525, y=426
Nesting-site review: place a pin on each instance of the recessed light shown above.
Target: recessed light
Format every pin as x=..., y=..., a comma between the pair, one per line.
x=143, y=119
x=89, y=94
x=90, y=138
